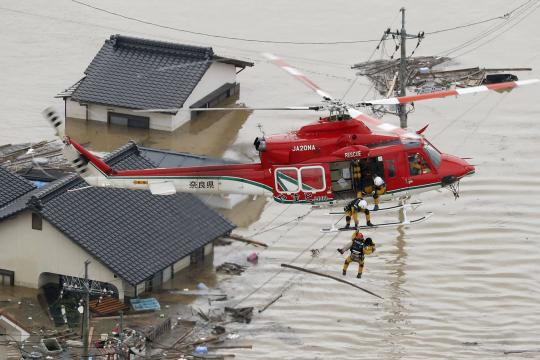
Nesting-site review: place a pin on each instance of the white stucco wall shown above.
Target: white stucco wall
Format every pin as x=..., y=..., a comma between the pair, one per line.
x=158, y=121
x=182, y=264
x=30, y=252
x=208, y=249
x=218, y=74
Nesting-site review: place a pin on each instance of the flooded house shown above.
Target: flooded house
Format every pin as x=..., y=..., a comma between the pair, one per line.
x=151, y=84
x=134, y=240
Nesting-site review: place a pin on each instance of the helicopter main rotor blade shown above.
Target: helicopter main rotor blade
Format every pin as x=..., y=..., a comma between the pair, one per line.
x=294, y=108
x=288, y=108
x=376, y=124
x=371, y=122
x=298, y=75
x=454, y=92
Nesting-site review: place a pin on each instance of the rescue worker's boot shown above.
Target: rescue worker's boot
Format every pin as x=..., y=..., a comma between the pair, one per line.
x=376, y=201
x=344, y=272
x=360, y=268
x=347, y=222
x=368, y=219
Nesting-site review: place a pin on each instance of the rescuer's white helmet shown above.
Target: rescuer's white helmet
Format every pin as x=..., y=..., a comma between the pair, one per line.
x=362, y=204
x=378, y=181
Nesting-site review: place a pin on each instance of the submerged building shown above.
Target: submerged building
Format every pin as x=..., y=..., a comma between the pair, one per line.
x=151, y=84
x=134, y=240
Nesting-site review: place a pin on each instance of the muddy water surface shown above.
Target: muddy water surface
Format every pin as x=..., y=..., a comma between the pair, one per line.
x=464, y=285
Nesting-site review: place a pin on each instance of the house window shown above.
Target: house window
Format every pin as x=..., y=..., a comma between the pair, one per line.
x=7, y=278
x=37, y=221
x=197, y=256
x=140, y=122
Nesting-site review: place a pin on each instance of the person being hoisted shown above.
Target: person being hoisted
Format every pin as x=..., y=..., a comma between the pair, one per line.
x=359, y=248
x=352, y=209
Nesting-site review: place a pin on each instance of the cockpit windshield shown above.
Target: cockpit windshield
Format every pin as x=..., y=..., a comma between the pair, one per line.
x=433, y=154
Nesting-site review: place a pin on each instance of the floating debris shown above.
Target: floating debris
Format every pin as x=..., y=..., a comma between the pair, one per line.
x=230, y=268
x=241, y=314
x=423, y=75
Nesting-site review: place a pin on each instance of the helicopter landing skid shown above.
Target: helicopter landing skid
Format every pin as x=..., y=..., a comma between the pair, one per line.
x=383, y=225
x=413, y=206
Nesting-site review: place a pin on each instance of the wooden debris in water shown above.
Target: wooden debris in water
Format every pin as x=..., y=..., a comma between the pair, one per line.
x=248, y=241
x=270, y=303
x=241, y=314
x=425, y=77
x=330, y=277
x=230, y=268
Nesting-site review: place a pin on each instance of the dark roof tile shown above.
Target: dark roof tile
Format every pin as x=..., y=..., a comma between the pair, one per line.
x=143, y=74
x=12, y=186
x=134, y=233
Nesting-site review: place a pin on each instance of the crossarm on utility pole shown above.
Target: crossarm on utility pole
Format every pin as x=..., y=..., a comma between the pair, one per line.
x=330, y=277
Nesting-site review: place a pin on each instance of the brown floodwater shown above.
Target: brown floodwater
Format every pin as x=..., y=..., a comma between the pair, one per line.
x=464, y=285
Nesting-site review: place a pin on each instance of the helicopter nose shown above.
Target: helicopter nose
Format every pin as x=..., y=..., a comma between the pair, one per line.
x=455, y=167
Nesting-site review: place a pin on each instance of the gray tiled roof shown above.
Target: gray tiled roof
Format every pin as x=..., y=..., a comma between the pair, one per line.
x=134, y=233
x=12, y=186
x=143, y=74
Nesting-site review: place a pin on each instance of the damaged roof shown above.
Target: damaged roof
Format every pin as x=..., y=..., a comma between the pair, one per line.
x=133, y=233
x=138, y=73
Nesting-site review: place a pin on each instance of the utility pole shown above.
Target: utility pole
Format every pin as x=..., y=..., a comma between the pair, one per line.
x=402, y=110
x=403, y=73
x=86, y=308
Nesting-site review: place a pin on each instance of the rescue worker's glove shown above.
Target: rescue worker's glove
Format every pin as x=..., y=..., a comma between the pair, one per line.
x=340, y=251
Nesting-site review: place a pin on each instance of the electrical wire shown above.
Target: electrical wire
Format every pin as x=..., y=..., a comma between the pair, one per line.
x=222, y=36
x=502, y=17
x=526, y=8
x=267, y=41
x=500, y=33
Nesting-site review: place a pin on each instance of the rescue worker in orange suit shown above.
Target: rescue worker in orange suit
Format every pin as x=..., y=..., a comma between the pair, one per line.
x=379, y=188
x=352, y=209
x=359, y=248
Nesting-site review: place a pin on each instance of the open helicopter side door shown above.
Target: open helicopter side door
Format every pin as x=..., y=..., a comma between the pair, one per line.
x=302, y=183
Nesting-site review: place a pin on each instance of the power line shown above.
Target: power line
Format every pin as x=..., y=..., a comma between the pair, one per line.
x=508, y=17
x=222, y=36
x=502, y=17
x=266, y=41
x=501, y=32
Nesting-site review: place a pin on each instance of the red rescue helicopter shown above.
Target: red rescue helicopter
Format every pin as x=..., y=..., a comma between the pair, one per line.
x=314, y=164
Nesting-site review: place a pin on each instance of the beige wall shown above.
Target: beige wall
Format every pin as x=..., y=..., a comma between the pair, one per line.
x=30, y=252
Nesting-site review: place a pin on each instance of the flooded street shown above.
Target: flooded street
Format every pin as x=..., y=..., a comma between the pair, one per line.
x=463, y=285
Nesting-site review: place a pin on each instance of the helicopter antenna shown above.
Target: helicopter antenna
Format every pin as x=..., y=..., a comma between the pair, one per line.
x=260, y=126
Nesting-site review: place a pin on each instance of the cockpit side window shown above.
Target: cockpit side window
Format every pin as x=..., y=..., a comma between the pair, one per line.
x=418, y=165
x=433, y=154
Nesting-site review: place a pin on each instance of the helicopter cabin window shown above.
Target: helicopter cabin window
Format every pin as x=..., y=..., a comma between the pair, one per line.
x=391, y=168
x=418, y=165
x=287, y=180
x=312, y=178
